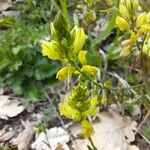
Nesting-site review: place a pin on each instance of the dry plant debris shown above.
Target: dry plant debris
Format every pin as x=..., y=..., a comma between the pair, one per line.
x=113, y=132
x=5, y=4
x=6, y=135
x=54, y=137
x=9, y=107
x=23, y=140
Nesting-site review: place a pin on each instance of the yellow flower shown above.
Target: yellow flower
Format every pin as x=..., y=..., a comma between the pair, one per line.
x=128, y=4
x=79, y=39
x=69, y=112
x=135, y=4
x=141, y=19
x=133, y=38
x=125, y=51
x=82, y=57
x=104, y=97
x=65, y=72
x=144, y=29
x=94, y=101
x=50, y=49
x=124, y=12
x=89, y=69
x=122, y=23
x=87, y=129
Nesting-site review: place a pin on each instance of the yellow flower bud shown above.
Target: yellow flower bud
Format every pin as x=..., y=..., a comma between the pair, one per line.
x=122, y=23
x=94, y=101
x=135, y=4
x=125, y=51
x=124, y=12
x=146, y=47
x=148, y=16
x=144, y=29
x=82, y=57
x=104, y=97
x=89, y=69
x=65, y=72
x=87, y=129
x=69, y=112
x=50, y=49
x=79, y=39
x=128, y=4
x=133, y=38
x=141, y=20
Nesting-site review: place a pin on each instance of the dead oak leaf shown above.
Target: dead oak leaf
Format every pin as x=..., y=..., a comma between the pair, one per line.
x=9, y=107
x=113, y=132
x=5, y=136
x=22, y=141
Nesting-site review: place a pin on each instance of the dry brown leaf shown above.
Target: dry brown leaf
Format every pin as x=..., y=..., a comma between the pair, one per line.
x=54, y=137
x=5, y=136
x=4, y=4
x=111, y=133
x=9, y=108
x=23, y=139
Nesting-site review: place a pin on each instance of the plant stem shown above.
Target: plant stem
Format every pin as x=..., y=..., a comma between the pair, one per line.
x=143, y=121
x=63, y=4
x=85, y=75
x=92, y=144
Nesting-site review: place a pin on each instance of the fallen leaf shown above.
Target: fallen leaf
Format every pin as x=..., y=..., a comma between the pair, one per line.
x=5, y=4
x=5, y=136
x=54, y=137
x=9, y=107
x=23, y=140
x=113, y=132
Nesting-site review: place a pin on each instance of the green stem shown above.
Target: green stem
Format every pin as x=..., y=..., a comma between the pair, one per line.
x=109, y=27
x=55, y=5
x=63, y=4
x=85, y=75
x=92, y=144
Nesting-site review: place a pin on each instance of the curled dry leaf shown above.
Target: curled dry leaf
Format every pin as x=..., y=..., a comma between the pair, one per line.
x=113, y=132
x=54, y=137
x=9, y=107
x=23, y=140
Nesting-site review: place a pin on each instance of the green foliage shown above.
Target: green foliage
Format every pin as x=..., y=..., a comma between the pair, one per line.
x=146, y=130
x=22, y=68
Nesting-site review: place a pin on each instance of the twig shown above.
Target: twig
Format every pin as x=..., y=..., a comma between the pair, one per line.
x=143, y=137
x=143, y=121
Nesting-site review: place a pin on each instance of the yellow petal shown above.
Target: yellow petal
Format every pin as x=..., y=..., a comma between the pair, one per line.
x=50, y=49
x=69, y=112
x=141, y=19
x=82, y=57
x=87, y=129
x=92, y=70
x=144, y=29
x=125, y=51
x=124, y=12
x=65, y=72
x=79, y=39
x=122, y=23
x=133, y=38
